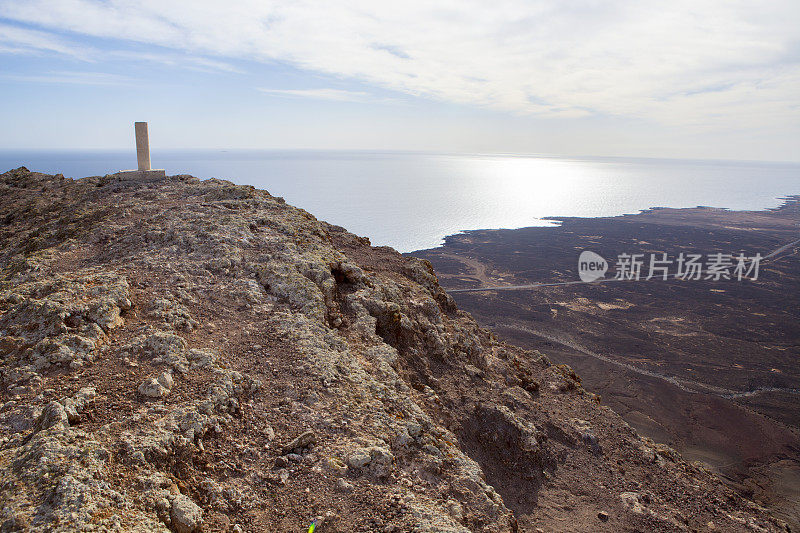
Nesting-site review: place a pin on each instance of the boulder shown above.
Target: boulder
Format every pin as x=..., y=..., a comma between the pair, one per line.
x=53, y=415
x=304, y=439
x=151, y=388
x=187, y=516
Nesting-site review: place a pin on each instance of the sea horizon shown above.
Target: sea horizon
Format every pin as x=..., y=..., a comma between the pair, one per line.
x=129, y=153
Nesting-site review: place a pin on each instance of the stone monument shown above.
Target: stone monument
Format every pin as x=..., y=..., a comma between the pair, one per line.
x=144, y=172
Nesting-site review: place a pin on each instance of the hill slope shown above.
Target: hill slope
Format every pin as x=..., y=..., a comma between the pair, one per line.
x=195, y=355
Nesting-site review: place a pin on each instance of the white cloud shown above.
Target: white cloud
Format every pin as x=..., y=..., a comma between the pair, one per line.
x=70, y=78
x=337, y=95
x=24, y=41
x=170, y=59
x=718, y=64
x=16, y=40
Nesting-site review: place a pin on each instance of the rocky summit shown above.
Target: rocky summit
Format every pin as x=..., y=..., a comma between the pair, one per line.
x=186, y=355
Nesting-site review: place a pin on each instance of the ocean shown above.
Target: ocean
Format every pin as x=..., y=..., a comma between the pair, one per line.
x=411, y=201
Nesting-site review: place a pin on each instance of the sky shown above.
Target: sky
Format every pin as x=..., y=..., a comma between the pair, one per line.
x=686, y=79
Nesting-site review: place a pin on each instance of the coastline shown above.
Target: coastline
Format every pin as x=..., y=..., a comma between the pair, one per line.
x=788, y=202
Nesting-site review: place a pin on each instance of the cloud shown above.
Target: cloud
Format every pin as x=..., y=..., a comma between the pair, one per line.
x=635, y=59
x=337, y=95
x=70, y=78
x=25, y=41
x=14, y=40
x=170, y=59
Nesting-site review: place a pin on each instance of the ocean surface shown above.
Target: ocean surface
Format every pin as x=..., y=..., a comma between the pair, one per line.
x=411, y=201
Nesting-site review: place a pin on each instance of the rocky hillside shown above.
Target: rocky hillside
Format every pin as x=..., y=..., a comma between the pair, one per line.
x=199, y=356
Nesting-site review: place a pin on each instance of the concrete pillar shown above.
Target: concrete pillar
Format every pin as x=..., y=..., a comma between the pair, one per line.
x=142, y=145
x=144, y=173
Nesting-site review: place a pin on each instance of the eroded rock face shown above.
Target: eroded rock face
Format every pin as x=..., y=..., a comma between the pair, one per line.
x=193, y=356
